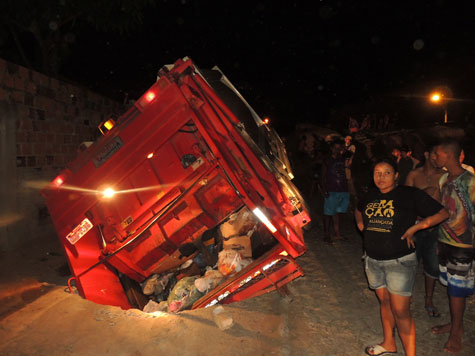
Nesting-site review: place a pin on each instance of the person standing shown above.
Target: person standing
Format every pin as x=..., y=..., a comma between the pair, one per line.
x=427, y=178
x=456, y=239
x=406, y=152
x=386, y=217
x=348, y=153
x=335, y=190
x=465, y=166
x=353, y=125
x=404, y=165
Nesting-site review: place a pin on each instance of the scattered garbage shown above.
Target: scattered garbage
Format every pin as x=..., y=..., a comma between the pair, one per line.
x=155, y=284
x=183, y=294
x=178, y=288
x=230, y=261
x=209, y=281
x=222, y=318
x=241, y=244
x=238, y=224
x=190, y=271
x=153, y=306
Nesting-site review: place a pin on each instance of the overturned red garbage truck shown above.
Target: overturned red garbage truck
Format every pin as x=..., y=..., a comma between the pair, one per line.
x=186, y=156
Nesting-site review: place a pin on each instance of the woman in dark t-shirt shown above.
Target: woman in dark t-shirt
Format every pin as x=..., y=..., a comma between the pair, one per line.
x=387, y=218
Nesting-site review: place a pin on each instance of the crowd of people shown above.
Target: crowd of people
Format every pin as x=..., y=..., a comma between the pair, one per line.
x=371, y=122
x=408, y=210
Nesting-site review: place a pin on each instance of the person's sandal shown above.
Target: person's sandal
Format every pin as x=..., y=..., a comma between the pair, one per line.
x=378, y=350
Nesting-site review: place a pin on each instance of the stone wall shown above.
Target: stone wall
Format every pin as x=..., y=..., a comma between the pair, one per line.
x=42, y=122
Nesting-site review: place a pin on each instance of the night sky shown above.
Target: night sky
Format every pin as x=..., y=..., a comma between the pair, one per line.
x=296, y=61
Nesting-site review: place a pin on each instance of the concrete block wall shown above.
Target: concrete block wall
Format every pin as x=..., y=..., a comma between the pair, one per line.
x=42, y=122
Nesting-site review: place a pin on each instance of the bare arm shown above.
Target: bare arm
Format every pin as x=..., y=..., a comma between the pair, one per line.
x=411, y=179
x=359, y=220
x=424, y=224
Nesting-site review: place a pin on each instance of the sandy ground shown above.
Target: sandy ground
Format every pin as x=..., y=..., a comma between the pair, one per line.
x=332, y=312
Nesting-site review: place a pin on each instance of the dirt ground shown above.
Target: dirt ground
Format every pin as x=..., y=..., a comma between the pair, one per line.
x=332, y=312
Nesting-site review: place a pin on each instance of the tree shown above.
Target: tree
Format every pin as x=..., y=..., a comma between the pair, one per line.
x=39, y=34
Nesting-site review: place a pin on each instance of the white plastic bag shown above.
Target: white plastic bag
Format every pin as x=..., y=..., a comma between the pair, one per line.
x=209, y=281
x=230, y=261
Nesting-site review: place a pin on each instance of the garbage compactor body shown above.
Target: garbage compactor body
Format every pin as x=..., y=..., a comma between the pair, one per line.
x=189, y=153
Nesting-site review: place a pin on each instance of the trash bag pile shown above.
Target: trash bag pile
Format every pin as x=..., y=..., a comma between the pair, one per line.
x=177, y=290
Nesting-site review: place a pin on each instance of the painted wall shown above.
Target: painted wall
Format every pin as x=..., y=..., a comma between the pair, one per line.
x=42, y=123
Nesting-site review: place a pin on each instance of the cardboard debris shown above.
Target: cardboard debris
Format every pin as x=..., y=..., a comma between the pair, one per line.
x=241, y=244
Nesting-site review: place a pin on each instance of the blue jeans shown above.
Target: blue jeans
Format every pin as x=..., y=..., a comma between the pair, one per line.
x=398, y=275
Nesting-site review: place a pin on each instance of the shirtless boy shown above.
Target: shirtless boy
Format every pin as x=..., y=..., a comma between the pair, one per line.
x=427, y=178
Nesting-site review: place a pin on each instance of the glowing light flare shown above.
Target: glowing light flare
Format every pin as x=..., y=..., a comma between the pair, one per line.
x=435, y=97
x=257, y=212
x=58, y=181
x=8, y=219
x=108, y=193
x=284, y=253
x=109, y=124
x=150, y=155
x=150, y=96
x=213, y=302
x=106, y=126
x=269, y=265
x=266, y=121
x=100, y=191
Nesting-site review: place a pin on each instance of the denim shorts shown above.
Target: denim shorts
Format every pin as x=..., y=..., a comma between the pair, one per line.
x=337, y=202
x=398, y=275
x=426, y=250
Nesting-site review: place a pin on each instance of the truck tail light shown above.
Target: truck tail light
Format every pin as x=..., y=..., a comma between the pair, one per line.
x=106, y=126
x=149, y=96
x=258, y=212
x=58, y=181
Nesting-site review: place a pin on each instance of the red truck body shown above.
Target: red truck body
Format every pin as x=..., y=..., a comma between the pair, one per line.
x=181, y=161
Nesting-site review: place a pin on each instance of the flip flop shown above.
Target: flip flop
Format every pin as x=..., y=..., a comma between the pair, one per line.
x=433, y=312
x=378, y=350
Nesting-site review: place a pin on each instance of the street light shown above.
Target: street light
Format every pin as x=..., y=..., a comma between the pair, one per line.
x=435, y=97
x=438, y=98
